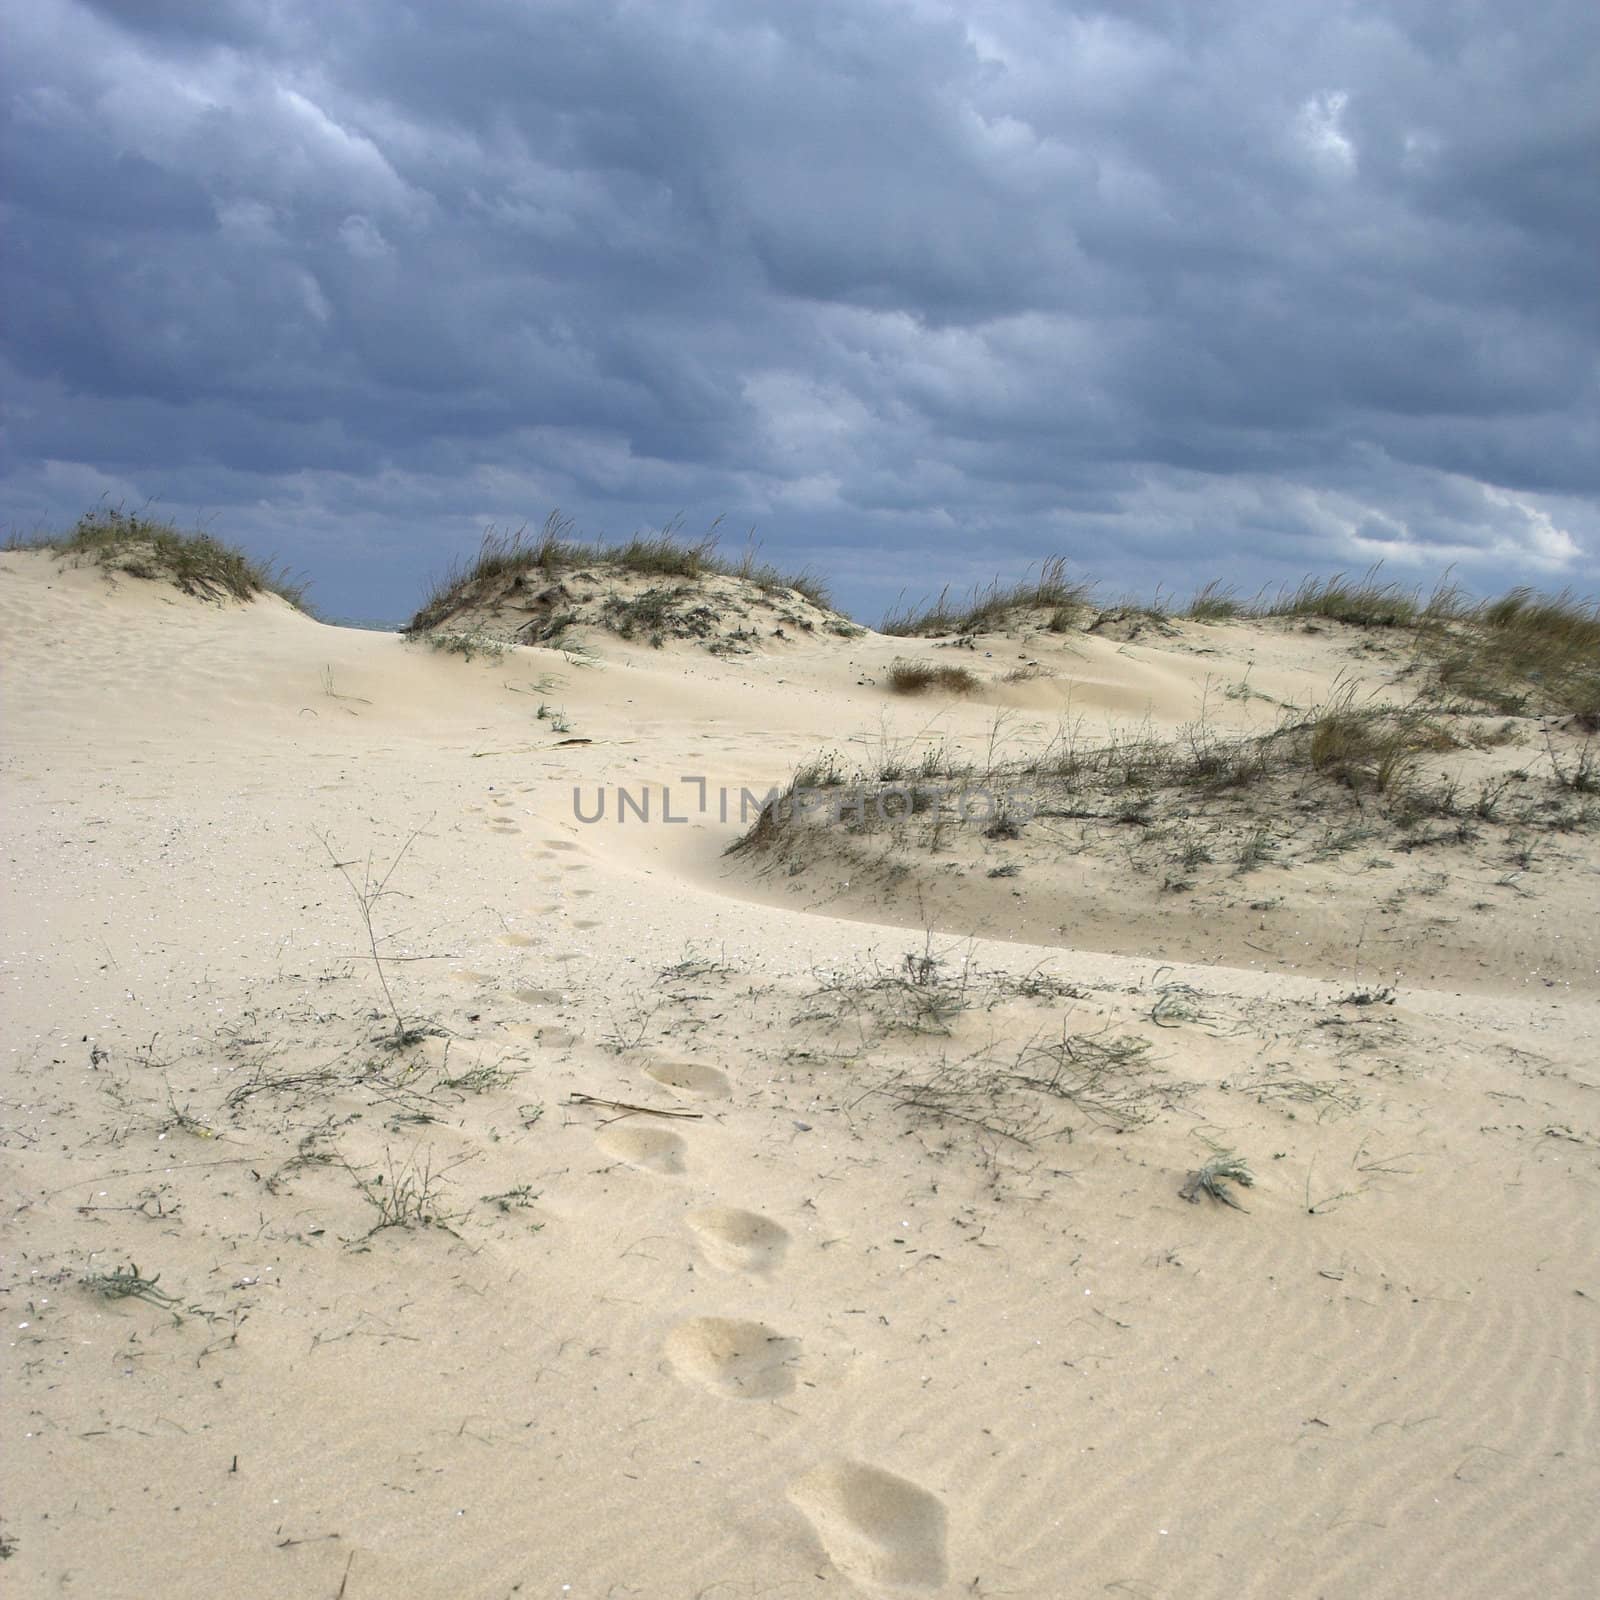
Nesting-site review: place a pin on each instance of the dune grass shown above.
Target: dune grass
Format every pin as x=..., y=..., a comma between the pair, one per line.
x=554, y=549
x=145, y=547
x=993, y=607
x=1365, y=603
x=1369, y=749
x=1215, y=602
x=1522, y=652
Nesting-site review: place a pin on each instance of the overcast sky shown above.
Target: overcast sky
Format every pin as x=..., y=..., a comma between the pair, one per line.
x=921, y=290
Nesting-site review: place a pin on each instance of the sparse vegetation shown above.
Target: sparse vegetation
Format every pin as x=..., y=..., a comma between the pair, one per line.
x=1581, y=773
x=477, y=1080
x=146, y=547
x=924, y=994
x=1193, y=807
x=1106, y=1078
x=1256, y=850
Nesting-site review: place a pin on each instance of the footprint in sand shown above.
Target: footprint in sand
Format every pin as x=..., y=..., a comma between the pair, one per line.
x=650, y=1149
x=742, y=1360
x=521, y=940
x=688, y=1080
x=537, y=997
x=877, y=1528
x=738, y=1241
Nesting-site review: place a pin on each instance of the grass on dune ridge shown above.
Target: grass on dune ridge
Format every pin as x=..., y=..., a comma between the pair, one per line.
x=1066, y=599
x=1520, y=653
x=147, y=547
x=666, y=554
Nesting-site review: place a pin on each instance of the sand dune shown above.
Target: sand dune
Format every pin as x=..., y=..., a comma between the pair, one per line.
x=653, y=1220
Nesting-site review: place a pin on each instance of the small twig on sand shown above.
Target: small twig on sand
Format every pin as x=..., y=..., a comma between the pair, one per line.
x=624, y=1105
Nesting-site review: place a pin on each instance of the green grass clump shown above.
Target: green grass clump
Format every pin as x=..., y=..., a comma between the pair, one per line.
x=1214, y=603
x=553, y=550
x=196, y=563
x=1364, y=604
x=995, y=607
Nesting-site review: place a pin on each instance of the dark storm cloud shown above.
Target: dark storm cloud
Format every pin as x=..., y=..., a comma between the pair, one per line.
x=1261, y=285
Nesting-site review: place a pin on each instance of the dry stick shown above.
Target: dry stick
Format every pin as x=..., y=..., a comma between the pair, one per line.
x=624, y=1105
x=143, y=1172
x=366, y=898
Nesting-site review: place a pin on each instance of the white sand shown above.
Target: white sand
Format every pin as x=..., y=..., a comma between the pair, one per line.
x=798, y=1339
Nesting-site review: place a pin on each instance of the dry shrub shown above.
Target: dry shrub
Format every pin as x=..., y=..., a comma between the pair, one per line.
x=918, y=677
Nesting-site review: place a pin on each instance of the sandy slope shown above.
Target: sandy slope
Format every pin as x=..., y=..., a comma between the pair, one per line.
x=803, y=1336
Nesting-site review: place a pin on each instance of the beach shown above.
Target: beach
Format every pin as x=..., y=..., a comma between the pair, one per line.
x=435, y=1165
